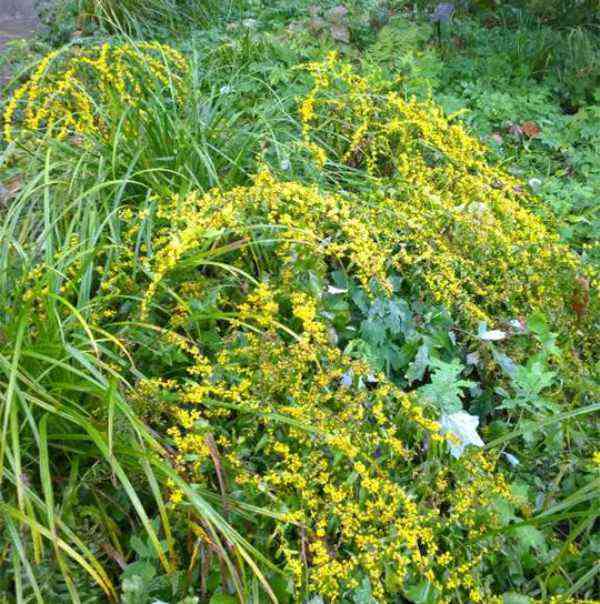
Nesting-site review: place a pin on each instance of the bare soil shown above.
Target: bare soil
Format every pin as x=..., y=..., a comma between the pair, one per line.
x=17, y=20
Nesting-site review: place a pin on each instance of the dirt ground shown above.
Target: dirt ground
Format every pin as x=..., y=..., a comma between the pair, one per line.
x=17, y=20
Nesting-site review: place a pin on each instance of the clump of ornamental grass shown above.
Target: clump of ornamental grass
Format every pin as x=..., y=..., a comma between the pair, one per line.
x=71, y=444
x=151, y=18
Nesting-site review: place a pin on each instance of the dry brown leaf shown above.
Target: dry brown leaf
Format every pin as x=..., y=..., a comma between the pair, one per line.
x=581, y=297
x=10, y=188
x=530, y=129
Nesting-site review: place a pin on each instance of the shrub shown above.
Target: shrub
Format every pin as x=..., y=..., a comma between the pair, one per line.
x=209, y=317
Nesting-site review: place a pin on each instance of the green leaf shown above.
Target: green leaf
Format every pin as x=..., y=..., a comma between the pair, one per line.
x=223, y=599
x=446, y=388
x=422, y=593
x=530, y=538
x=364, y=595
x=140, y=548
x=416, y=370
x=515, y=598
x=141, y=568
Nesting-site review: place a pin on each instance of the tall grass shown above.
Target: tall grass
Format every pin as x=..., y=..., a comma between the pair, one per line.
x=138, y=17
x=66, y=422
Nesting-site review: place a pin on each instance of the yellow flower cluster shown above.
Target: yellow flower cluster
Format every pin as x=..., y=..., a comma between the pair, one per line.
x=349, y=466
x=309, y=228
x=342, y=460
x=495, y=260
x=72, y=92
x=443, y=214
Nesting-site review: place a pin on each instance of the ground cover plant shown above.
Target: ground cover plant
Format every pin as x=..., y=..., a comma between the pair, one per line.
x=298, y=303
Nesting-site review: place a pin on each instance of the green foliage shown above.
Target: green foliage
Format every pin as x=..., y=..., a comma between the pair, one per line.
x=446, y=388
x=565, y=13
x=527, y=382
x=86, y=463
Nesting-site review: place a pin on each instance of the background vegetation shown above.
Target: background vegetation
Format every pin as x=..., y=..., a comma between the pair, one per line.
x=248, y=285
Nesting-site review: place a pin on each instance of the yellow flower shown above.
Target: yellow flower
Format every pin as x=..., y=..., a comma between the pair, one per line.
x=73, y=92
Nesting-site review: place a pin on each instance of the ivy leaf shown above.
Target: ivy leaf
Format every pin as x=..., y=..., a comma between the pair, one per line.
x=446, y=388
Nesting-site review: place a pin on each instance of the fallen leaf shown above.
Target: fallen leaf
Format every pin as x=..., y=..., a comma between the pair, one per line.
x=492, y=336
x=10, y=188
x=581, y=297
x=530, y=129
x=462, y=428
x=114, y=555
